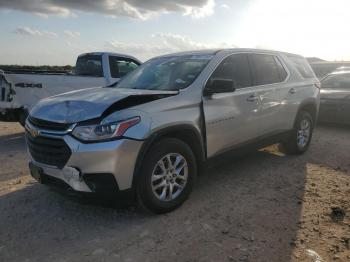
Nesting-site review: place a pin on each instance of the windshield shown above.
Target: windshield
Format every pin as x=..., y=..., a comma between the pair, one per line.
x=166, y=73
x=89, y=65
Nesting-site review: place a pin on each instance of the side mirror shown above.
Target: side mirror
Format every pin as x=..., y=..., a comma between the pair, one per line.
x=216, y=86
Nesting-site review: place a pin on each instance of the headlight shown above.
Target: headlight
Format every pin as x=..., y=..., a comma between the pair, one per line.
x=104, y=131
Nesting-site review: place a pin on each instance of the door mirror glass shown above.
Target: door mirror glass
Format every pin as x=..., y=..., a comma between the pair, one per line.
x=219, y=86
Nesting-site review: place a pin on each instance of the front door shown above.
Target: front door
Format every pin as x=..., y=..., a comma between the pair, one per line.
x=231, y=118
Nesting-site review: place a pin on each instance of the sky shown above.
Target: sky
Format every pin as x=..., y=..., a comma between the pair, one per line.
x=55, y=32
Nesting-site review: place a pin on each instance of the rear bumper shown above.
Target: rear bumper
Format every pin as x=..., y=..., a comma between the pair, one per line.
x=97, y=167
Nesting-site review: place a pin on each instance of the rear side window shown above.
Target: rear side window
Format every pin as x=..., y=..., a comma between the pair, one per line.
x=121, y=66
x=301, y=64
x=236, y=68
x=89, y=65
x=266, y=69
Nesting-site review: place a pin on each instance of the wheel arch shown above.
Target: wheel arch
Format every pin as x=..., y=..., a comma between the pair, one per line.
x=186, y=133
x=310, y=106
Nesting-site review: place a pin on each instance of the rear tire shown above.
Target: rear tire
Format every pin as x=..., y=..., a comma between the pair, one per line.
x=167, y=176
x=299, y=140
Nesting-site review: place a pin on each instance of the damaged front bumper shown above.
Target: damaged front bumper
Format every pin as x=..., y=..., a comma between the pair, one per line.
x=105, y=167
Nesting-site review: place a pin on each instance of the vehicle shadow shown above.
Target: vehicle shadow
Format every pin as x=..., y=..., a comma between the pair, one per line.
x=12, y=142
x=333, y=125
x=261, y=193
x=242, y=208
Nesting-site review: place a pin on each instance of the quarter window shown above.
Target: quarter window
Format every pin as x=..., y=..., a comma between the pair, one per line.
x=265, y=69
x=236, y=68
x=301, y=64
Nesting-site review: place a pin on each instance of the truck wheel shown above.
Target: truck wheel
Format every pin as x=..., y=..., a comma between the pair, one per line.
x=299, y=140
x=167, y=176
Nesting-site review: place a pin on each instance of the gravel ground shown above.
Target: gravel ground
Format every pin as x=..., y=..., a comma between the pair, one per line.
x=261, y=207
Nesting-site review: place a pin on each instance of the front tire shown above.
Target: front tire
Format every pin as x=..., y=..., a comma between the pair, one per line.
x=299, y=140
x=167, y=176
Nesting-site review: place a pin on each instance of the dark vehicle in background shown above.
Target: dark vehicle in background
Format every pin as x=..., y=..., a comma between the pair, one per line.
x=323, y=68
x=335, y=98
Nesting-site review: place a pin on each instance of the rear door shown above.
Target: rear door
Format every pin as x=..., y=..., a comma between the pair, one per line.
x=268, y=78
x=335, y=98
x=344, y=109
x=331, y=96
x=302, y=85
x=231, y=118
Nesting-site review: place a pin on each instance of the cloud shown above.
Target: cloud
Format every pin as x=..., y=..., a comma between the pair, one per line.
x=273, y=24
x=141, y=9
x=159, y=44
x=71, y=34
x=225, y=6
x=175, y=42
x=27, y=31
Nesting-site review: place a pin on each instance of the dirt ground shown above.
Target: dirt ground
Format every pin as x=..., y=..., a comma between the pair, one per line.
x=261, y=207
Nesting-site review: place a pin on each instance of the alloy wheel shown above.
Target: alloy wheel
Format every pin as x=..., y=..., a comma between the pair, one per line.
x=169, y=177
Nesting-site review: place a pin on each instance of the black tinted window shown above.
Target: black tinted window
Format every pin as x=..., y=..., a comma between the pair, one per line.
x=236, y=68
x=121, y=66
x=89, y=65
x=301, y=64
x=265, y=69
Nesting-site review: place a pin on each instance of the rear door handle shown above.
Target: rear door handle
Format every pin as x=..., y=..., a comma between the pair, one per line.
x=252, y=98
x=292, y=91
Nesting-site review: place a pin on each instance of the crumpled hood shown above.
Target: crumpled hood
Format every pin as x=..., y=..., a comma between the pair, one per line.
x=85, y=104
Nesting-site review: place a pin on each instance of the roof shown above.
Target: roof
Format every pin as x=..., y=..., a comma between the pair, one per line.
x=111, y=54
x=215, y=51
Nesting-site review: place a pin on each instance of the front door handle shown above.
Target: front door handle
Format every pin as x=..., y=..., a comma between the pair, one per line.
x=253, y=98
x=292, y=91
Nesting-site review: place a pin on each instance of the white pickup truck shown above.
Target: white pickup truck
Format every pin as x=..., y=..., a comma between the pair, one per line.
x=20, y=90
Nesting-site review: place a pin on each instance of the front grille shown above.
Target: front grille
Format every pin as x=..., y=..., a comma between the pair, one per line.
x=48, y=125
x=48, y=151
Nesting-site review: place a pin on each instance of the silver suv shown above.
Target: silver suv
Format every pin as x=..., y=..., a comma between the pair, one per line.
x=149, y=133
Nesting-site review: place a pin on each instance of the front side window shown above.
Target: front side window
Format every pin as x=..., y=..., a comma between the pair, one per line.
x=166, y=73
x=89, y=65
x=341, y=81
x=235, y=68
x=120, y=67
x=265, y=69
